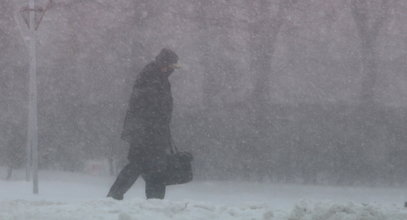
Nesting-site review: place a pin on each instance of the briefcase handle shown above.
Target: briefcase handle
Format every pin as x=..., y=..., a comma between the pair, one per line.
x=173, y=146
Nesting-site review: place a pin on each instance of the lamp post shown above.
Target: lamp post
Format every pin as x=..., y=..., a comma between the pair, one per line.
x=33, y=106
x=32, y=129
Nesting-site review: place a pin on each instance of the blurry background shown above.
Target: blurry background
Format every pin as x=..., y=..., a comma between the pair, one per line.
x=310, y=91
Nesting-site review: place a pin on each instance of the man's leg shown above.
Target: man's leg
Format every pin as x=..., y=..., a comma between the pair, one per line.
x=155, y=189
x=124, y=181
x=154, y=167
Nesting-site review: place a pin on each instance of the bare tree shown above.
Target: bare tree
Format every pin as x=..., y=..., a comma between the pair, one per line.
x=264, y=30
x=202, y=19
x=369, y=17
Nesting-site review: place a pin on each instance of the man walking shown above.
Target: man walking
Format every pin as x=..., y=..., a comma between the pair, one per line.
x=147, y=128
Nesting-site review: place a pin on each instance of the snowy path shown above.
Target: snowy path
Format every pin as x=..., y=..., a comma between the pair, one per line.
x=155, y=209
x=66, y=196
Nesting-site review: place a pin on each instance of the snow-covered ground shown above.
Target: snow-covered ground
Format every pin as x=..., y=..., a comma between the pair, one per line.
x=70, y=196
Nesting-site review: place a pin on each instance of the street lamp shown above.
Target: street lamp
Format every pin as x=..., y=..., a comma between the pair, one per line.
x=32, y=134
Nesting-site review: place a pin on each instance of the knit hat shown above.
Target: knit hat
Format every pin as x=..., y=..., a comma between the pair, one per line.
x=166, y=57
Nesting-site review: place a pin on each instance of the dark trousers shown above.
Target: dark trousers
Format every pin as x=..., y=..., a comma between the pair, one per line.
x=154, y=189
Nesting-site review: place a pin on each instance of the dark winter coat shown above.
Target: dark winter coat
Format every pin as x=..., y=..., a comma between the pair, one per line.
x=147, y=121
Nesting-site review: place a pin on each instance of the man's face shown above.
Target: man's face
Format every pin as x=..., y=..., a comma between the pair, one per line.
x=170, y=68
x=166, y=69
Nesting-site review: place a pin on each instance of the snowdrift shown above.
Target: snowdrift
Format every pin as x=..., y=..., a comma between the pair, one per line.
x=138, y=209
x=76, y=196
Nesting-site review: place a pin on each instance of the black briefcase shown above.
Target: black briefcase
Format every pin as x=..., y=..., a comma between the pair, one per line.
x=179, y=168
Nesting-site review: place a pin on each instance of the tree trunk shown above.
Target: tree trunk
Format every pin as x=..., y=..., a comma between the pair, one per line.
x=9, y=173
x=111, y=166
x=210, y=86
x=263, y=37
x=368, y=27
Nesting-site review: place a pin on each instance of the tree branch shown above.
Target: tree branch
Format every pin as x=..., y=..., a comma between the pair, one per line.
x=382, y=18
x=359, y=14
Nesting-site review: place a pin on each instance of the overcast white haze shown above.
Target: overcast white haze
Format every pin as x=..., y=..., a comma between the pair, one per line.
x=293, y=109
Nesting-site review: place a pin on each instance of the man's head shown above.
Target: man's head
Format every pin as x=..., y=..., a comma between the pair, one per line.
x=167, y=60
